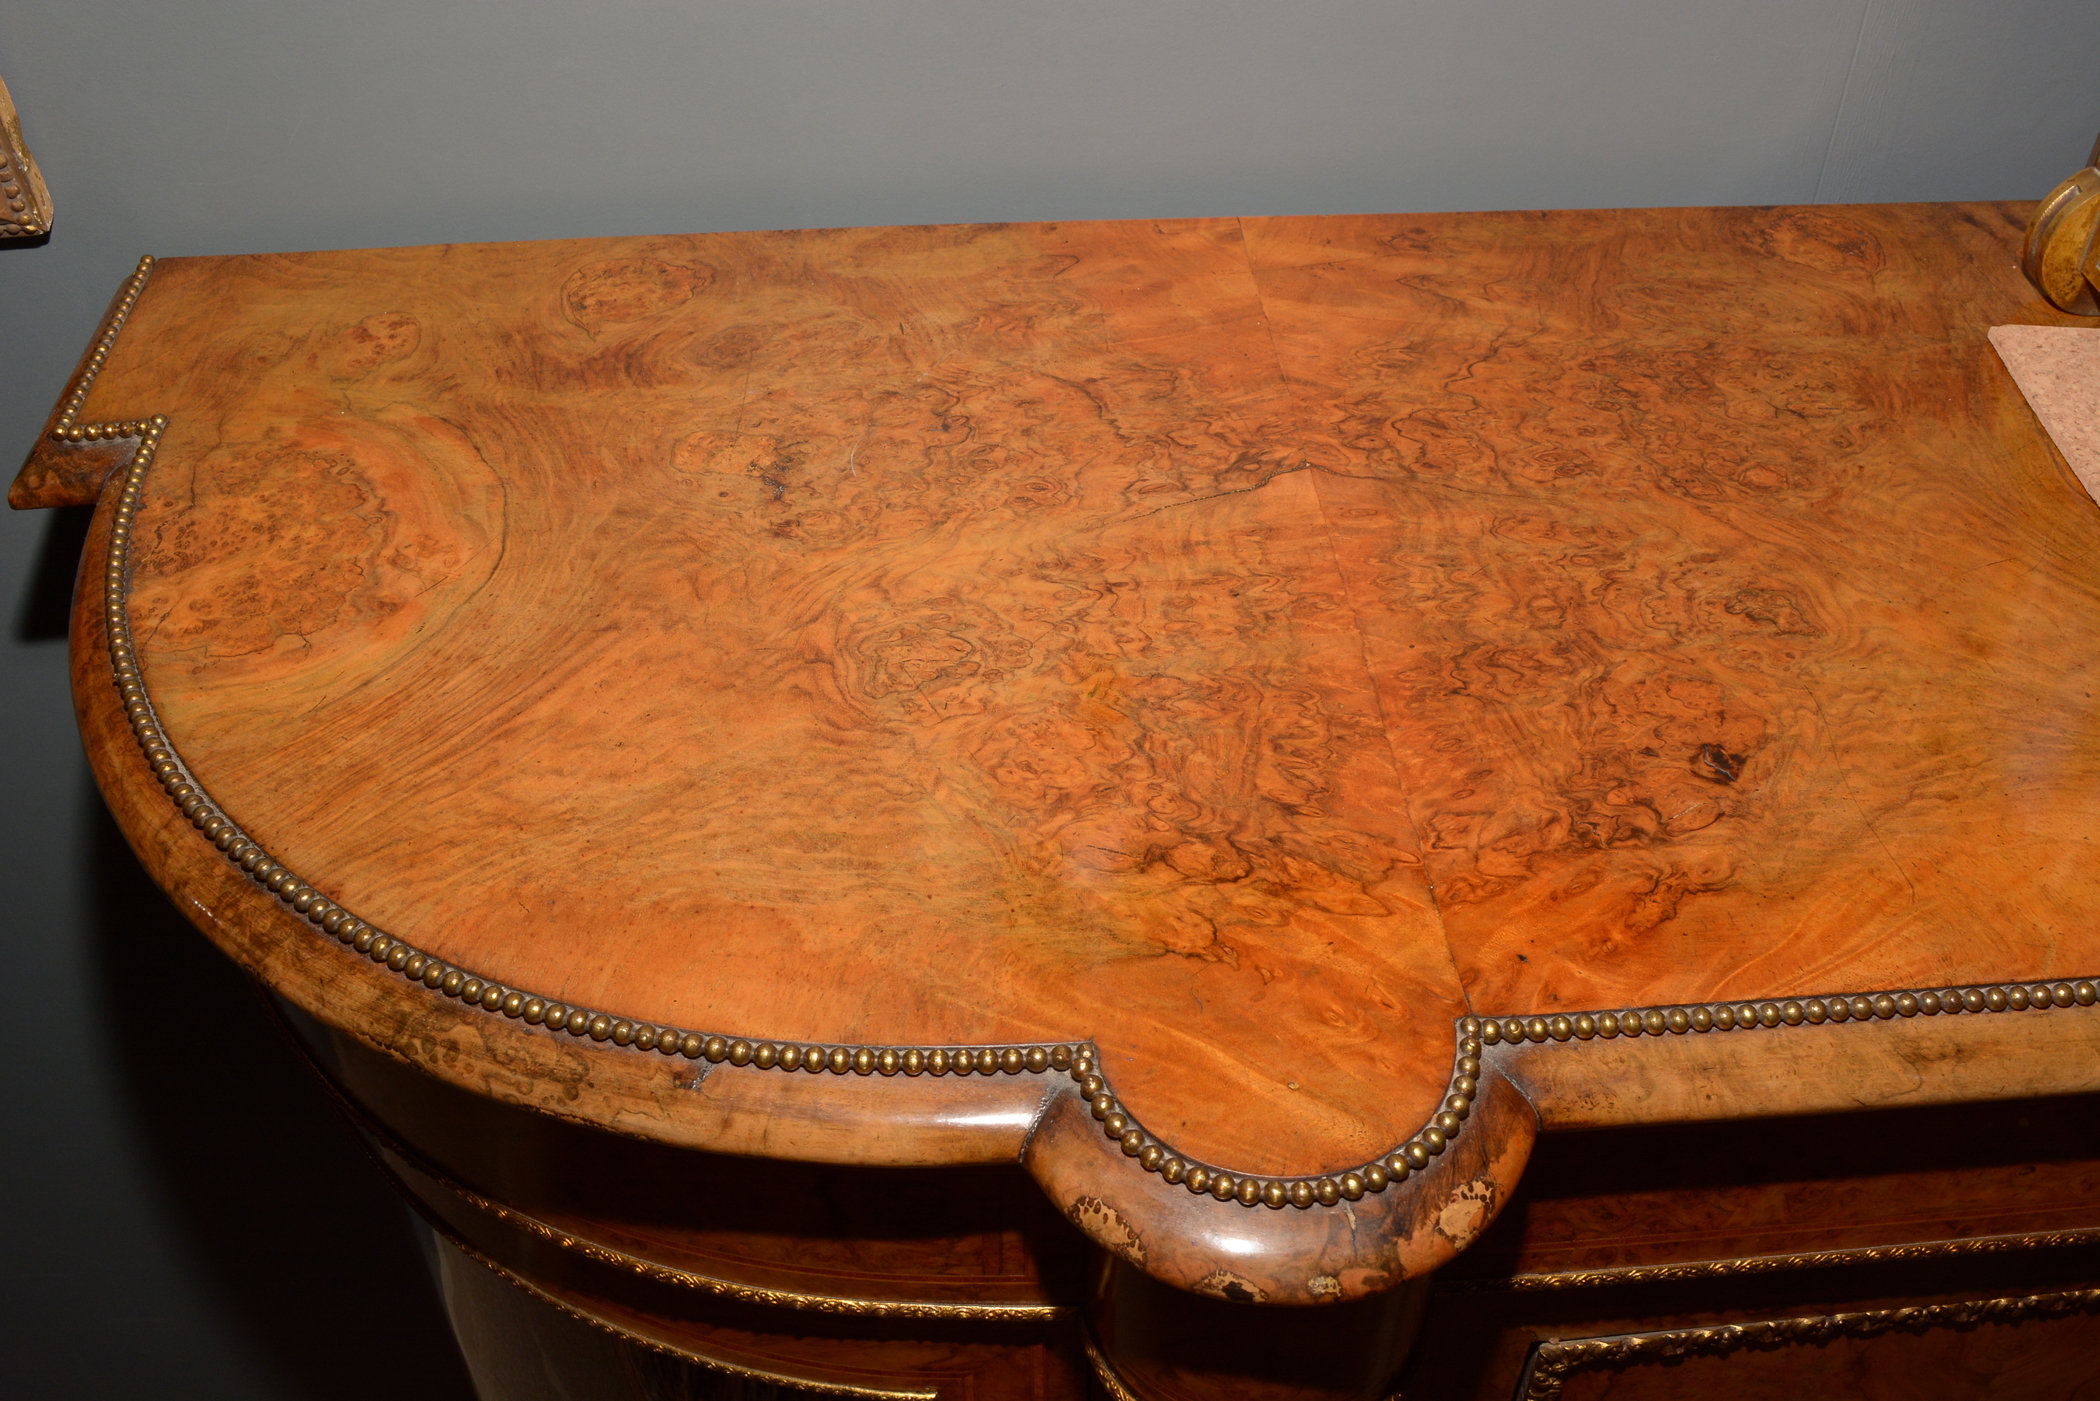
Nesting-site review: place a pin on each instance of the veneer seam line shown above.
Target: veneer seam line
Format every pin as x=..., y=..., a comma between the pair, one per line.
x=1341, y=574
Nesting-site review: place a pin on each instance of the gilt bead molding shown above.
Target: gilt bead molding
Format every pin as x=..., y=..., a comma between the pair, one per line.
x=1555, y=1361
x=1079, y=1060
x=66, y=428
x=381, y=1145
x=1104, y=1372
x=1681, y=1271
x=732, y=1290
x=716, y=1365
x=1701, y=1018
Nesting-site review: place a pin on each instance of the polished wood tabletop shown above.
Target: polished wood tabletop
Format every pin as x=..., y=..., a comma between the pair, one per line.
x=1251, y=719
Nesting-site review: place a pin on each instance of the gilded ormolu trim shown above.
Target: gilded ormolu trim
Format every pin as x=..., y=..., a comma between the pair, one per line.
x=25, y=202
x=693, y=1359
x=1104, y=1371
x=1078, y=1059
x=1554, y=1361
x=837, y=1305
x=1775, y=1264
x=380, y=1141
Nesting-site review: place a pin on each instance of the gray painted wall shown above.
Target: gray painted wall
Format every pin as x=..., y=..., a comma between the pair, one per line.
x=183, y=1217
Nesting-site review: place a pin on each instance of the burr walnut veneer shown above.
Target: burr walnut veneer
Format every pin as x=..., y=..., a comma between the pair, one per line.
x=740, y=751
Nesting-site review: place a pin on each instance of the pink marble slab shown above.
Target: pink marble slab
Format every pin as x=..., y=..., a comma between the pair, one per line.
x=2058, y=369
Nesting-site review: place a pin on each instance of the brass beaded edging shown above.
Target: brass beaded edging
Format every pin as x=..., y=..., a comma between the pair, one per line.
x=1411, y=1157
x=706, y=1364
x=1554, y=1361
x=1771, y=1264
x=1078, y=1059
x=1814, y=1011
x=195, y=804
x=64, y=429
x=1477, y=1032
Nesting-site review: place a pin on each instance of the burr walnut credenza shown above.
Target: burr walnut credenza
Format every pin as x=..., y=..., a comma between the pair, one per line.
x=1493, y=805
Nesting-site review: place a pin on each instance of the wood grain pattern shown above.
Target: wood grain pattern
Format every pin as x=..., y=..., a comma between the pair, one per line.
x=1250, y=646
x=1735, y=625
x=1023, y=706
x=896, y=1122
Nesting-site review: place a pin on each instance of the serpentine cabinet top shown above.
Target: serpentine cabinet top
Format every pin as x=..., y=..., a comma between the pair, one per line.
x=1216, y=711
